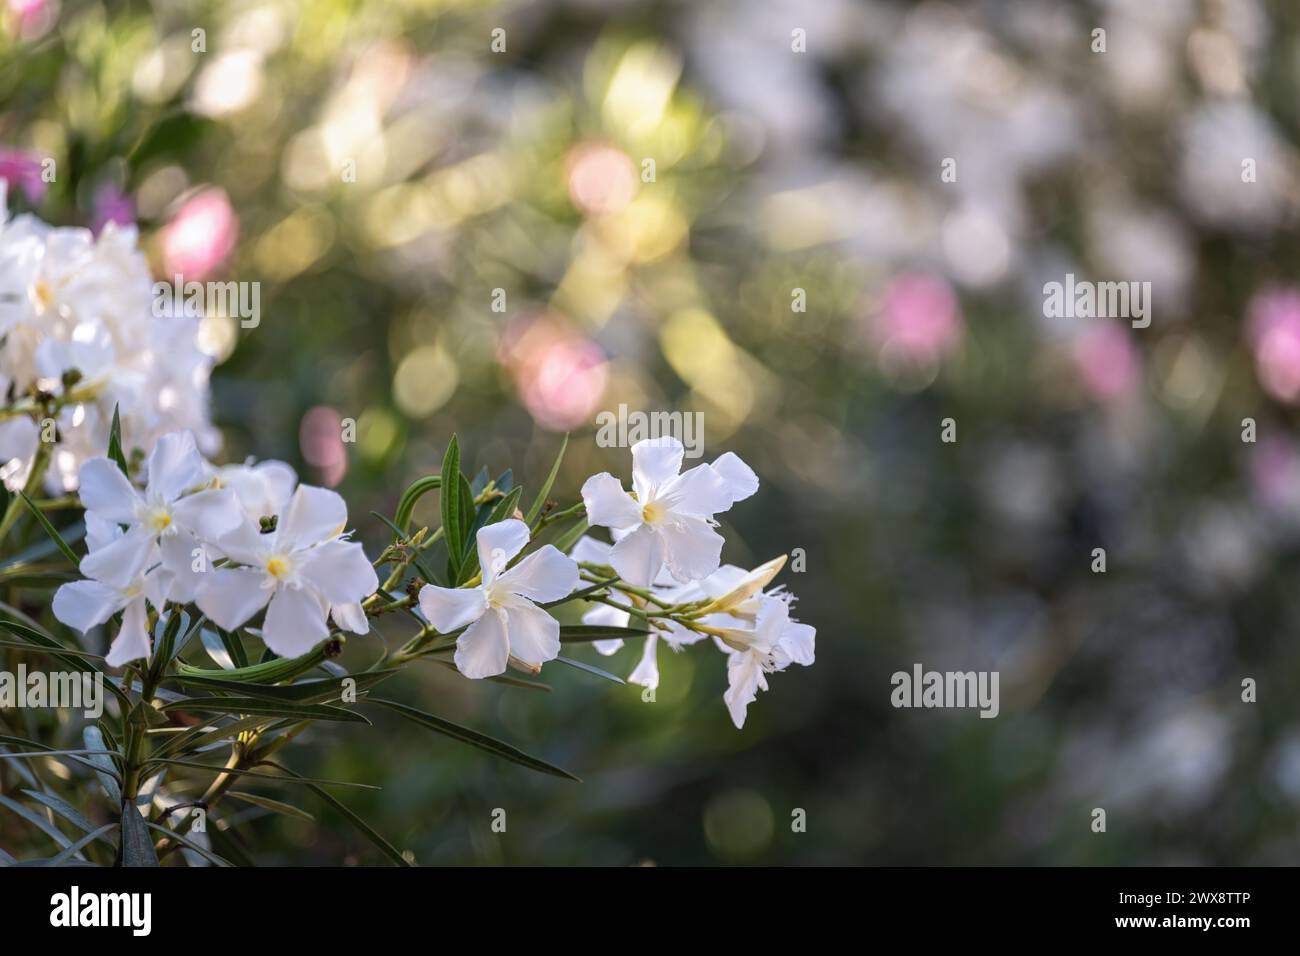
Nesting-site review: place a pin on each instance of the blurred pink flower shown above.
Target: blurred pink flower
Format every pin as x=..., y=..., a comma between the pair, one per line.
x=21, y=169
x=32, y=18
x=601, y=178
x=320, y=436
x=560, y=374
x=1273, y=329
x=1275, y=473
x=1106, y=360
x=919, y=320
x=111, y=204
x=200, y=236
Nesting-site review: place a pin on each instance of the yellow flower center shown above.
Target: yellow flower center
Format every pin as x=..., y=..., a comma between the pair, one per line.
x=42, y=295
x=160, y=521
x=651, y=513
x=277, y=567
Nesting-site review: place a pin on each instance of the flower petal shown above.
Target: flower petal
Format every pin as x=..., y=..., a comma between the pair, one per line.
x=175, y=466
x=700, y=491
x=739, y=477
x=482, y=651
x=86, y=604
x=120, y=562
x=692, y=548
x=295, y=622
x=449, y=608
x=351, y=617
x=591, y=550
x=646, y=673
x=797, y=646
x=534, y=635
x=311, y=516
x=608, y=504
x=132, y=641
x=340, y=571
x=105, y=491
x=209, y=514
x=655, y=461
x=639, y=556
x=545, y=575
x=498, y=544
x=745, y=680
x=230, y=596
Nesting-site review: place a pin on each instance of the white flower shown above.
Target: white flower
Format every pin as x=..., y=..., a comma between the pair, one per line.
x=774, y=642
x=168, y=507
x=646, y=672
x=670, y=521
x=263, y=489
x=500, y=617
x=86, y=604
x=70, y=300
x=305, y=570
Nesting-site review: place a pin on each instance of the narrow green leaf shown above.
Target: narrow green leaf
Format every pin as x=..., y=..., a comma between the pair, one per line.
x=275, y=806
x=251, y=705
x=406, y=506
x=115, y=443
x=74, y=849
x=219, y=768
x=574, y=633
x=36, y=820
x=452, y=532
x=535, y=511
x=370, y=833
x=188, y=844
x=473, y=737
x=590, y=669
x=64, y=809
x=305, y=692
x=50, y=530
x=137, y=845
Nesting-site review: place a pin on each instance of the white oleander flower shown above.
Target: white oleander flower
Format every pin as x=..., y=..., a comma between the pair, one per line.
x=670, y=521
x=764, y=643
x=86, y=604
x=646, y=672
x=500, y=617
x=170, y=506
x=72, y=301
x=302, y=572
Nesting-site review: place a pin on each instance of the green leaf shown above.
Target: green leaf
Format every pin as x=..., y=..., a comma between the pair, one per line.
x=590, y=669
x=306, y=692
x=191, y=741
x=251, y=705
x=63, y=809
x=105, y=768
x=406, y=505
x=452, y=532
x=50, y=530
x=574, y=633
x=535, y=511
x=115, y=444
x=187, y=843
x=74, y=849
x=370, y=833
x=271, y=672
x=473, y=737
x=38, y=821
x=565, y=541
x=498, y=679
x=275, y=806
x=137, y=845
x=220, y=768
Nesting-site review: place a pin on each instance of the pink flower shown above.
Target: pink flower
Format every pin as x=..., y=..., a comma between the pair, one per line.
x=919, y=321
x=1273, y=329
x=111, y=204
x=561, y=375
x=1106, y=360
x=1275, y=473
x=320, y=435
x=601, y=178
x=200, y=237
x=22, y=170
x=32, y=18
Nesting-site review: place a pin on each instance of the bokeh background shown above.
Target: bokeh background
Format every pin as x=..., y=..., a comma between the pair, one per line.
x=380, y=170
